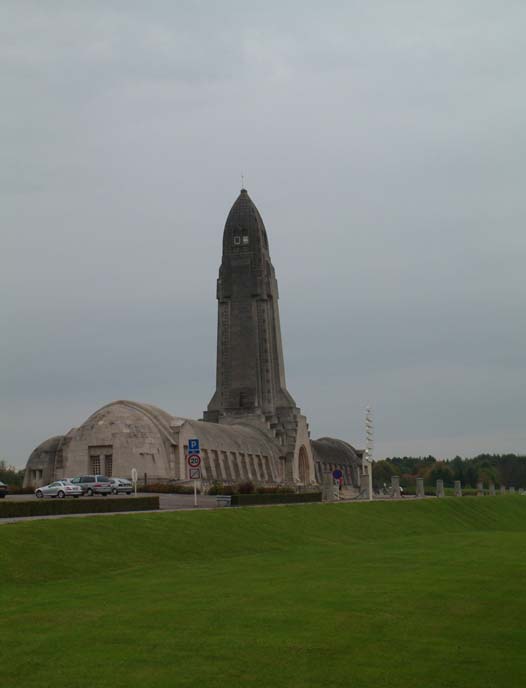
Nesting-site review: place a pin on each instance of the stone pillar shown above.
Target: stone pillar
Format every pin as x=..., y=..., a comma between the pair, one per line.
x=458, y=488
x=480, y=489
x=364, y=485
x=503, y=489
x=492, y=489
x=440, y=488
x=327, y=488
x=211, y=463
x=222, y=467
x=395, y=486
x=420, y=488
x=248, y=467
x=511, y=490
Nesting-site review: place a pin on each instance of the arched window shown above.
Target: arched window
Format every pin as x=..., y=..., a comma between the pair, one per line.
x=303, y=465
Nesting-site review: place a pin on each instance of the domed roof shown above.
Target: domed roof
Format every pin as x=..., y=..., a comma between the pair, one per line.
x=129, y=413
x=41, y=454
x=331, y=450
x=146, y=420
x=244, y=218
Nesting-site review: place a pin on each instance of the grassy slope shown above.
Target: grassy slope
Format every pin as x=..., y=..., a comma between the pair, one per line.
x=390, y=594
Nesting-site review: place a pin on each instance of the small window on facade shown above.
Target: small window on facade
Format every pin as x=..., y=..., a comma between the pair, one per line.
x=237, y=240
x=95, y=464
x=245, y=239
x=108, y=465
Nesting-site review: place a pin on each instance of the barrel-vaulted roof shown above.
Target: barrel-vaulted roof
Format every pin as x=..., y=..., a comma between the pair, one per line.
x=41, y=455
x=239, y=437
x=331, y=450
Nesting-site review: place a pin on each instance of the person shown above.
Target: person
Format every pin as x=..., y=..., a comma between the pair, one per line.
x=401, y=491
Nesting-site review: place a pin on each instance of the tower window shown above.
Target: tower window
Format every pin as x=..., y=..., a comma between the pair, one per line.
x=245, y=239
x=237, y=240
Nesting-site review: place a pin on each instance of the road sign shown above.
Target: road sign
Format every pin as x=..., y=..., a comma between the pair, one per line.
x=337, y=474
x=194, y=460
x=193, y=446
x=195, y=474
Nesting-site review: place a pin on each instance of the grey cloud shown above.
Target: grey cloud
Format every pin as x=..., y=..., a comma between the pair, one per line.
x=384, y=145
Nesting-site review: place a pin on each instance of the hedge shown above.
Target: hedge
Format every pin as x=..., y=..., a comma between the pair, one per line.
x=55, y=507
x=167, y=488
x=448, y=491
x=296, y=498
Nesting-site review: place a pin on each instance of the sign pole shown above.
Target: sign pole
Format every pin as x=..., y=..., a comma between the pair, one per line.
x=194, y=461
x=134, y=478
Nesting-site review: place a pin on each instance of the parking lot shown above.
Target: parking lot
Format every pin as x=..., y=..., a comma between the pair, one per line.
x=167, y=502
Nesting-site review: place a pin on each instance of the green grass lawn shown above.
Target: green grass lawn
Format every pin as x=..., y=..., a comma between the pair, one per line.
x=409, y=593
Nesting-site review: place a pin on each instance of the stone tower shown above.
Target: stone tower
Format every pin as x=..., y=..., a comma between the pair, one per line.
x=250, y=383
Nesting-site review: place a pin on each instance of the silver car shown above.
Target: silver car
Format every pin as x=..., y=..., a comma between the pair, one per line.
x=121, y=485
x=60, y=489
x=93, y=484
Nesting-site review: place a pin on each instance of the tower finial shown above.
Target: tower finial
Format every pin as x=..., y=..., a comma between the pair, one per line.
x=242, y=181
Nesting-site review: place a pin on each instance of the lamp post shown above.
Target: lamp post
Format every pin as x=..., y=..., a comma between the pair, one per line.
x=367, y=462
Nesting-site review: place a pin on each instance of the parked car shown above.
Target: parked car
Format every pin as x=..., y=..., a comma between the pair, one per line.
x=93, y=484
x=60, y=489
x=3, y=490
x=121, y=485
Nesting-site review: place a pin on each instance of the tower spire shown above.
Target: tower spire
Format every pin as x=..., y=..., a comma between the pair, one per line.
x=250, y=367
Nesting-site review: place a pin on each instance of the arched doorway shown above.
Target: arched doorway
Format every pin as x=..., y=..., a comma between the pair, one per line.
x=303, y=465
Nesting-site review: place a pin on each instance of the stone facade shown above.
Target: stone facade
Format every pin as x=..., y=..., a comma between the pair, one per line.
x=250, y=376
x=252, y=429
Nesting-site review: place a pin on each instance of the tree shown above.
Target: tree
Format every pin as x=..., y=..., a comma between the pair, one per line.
x=11, y=475
x=440, y=471
x=382, y=472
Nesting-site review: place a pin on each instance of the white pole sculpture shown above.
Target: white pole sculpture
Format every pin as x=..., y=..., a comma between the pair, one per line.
x=369, y=444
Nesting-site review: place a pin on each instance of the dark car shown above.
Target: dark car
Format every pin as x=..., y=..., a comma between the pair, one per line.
x=93, y=484
x=3, y=490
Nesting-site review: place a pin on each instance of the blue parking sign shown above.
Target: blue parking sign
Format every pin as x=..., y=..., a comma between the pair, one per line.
x=193, y=446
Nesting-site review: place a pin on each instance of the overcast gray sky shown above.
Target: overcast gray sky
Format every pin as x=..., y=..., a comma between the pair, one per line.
x=384, y=144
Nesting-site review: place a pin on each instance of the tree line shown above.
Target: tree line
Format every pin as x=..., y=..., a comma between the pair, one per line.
x=11, y=475
x=501, y=469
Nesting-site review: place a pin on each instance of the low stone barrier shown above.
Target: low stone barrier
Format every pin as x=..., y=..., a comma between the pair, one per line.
x=395, y=487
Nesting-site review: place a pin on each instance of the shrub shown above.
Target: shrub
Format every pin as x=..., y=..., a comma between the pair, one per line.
x=168, y=488
x=17, y=489
x=276, y=498
x=430, y=491
x=276, y=489
x=53, y=507
x=218, y=488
